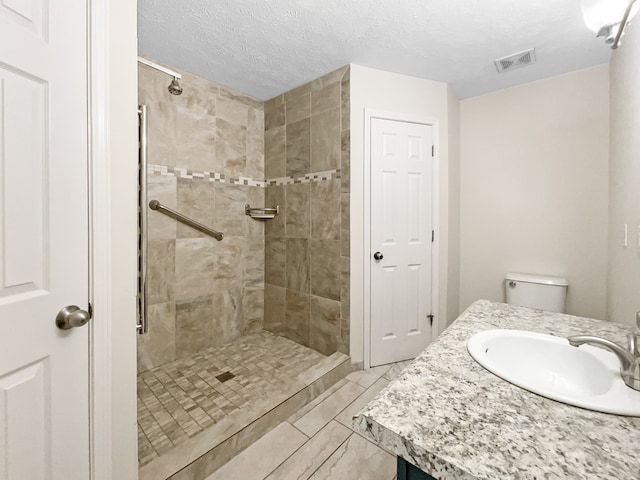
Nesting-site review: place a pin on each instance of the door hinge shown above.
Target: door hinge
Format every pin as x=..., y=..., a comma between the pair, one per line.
x=433, y=150
x=433, y=236
x=430, y=317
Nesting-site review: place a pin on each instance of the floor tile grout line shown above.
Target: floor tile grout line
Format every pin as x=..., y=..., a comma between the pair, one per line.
x=308, y=437
x=292, y=453
x=329, y=456
x=157, y=421
x=302, y=446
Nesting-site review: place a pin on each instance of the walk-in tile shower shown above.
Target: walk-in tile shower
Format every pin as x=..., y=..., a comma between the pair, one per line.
x=239, y=326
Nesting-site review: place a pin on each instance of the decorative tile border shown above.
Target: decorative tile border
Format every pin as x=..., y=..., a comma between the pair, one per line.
x=186, y=173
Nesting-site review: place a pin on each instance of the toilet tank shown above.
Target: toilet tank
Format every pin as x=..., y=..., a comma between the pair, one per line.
x=536, y=291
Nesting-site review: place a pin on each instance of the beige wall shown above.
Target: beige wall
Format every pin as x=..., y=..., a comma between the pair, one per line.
x=307, y=245
x=623, y=286
x=534, y=193
x=385, y=91
x=453, y=280
x=202, y=292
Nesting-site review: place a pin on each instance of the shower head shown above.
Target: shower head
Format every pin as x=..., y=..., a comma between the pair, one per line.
x=174, y=87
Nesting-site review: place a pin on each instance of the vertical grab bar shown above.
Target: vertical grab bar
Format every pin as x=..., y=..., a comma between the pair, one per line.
x=142, y=325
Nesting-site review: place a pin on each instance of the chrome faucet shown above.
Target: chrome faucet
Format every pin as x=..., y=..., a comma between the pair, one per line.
x=629, y=358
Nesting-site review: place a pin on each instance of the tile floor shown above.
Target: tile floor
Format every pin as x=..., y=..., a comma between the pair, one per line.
x=317, y=442
x=178, y=400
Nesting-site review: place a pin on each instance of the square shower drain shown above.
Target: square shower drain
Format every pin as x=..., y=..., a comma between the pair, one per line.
x=223, y=377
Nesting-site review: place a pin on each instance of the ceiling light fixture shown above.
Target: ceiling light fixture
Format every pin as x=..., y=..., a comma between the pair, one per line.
x=609, y=18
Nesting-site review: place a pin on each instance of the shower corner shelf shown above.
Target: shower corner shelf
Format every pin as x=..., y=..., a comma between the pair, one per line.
x=261, y=213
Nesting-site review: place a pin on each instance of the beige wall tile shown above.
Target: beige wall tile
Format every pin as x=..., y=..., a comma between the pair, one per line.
x=331, y=77
x=239, y=97
x=345, y=103
x=298, y=147
x=298, y=108
x=232, y=112
x=324, y=325
x=325, y=141
x=255, y=144
x=231, y=158
x=274, y=112
x=275, y=196
x=196, y=201
x=196, y=140
x=162, y=133
x=297, y=317
x=198, y=96
x=325, y=268
x=255, y=198
x=274, y=153
x=345, y=162
x=194, y=267
x=326, y=98
x=159, y=345
x=297, y=220
x=229, y=258
x=253, y=309
x=207, y=128
x=274, y=309
x=228, y=320
x=345, y=305
x=193, y=325
x=297, y=264
x=161, y=271
x=345, y=226
x=163, y=189
x=229, y=212
x=254, y=261
x=325, y=210
x=298, y=91
x=275, y=260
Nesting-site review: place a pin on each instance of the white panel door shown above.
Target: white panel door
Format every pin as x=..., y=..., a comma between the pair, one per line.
x=401, y=239
x=44, y=378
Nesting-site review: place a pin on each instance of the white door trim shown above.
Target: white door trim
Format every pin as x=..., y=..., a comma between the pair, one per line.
x=410, y=118
x=112, y=154
x=99, y=239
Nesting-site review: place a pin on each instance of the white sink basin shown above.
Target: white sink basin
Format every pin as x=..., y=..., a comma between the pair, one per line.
x=585, y=376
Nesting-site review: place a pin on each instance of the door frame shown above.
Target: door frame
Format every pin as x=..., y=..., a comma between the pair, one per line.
x=433, y=122
x=112, y=158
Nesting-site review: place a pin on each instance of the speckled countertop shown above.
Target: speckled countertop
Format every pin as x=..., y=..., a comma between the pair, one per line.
x=455, y=420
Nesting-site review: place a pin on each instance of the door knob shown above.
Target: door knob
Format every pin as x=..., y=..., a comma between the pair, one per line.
x=378, y=256
x=72, y=316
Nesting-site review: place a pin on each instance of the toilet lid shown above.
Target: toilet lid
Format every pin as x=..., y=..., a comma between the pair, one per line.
x=541, y=279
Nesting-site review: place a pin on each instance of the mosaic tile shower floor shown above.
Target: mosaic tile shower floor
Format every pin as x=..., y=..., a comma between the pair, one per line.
x=178, y=400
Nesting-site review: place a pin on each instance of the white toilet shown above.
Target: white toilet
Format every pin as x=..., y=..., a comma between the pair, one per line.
x=535, y=291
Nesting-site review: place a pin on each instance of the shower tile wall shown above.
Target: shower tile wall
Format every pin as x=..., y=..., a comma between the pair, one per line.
x=202, y=292
x=307, y=246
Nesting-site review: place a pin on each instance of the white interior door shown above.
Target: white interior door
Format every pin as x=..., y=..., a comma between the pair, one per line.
x=44, y=396
x=401, y=239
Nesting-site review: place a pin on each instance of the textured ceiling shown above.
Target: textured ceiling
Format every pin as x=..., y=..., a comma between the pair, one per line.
x=266, y=47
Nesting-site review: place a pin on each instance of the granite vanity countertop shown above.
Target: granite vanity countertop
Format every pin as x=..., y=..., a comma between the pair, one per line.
x=453, y=419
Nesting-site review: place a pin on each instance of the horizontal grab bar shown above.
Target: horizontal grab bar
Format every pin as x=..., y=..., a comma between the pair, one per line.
x=156, y=205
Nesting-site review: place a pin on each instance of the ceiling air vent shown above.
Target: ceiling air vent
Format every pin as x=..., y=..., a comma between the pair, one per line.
x=517, y=60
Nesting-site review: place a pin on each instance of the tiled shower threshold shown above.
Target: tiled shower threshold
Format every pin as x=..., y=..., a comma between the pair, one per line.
x=274, y=399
